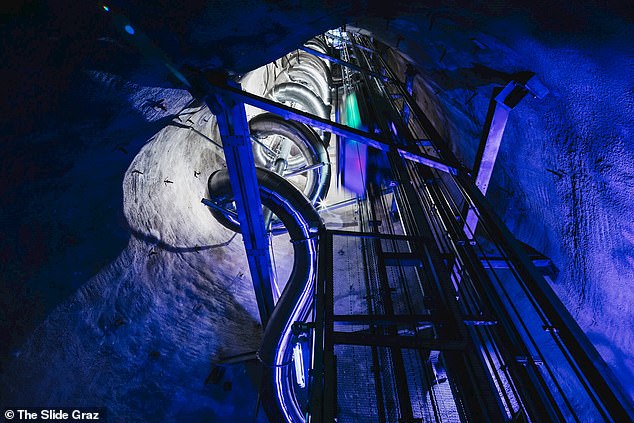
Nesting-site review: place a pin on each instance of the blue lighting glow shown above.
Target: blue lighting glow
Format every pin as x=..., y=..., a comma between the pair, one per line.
x=353, y=154
x=129, y=29
x=298, y=359
x=106, y=8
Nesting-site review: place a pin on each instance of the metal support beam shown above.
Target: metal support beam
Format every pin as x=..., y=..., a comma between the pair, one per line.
x=338, y=205
x=330, y=361
x=596, y=371
x=492, y=137
x=501, y=263
x=303, y=170
x=234, y=131
x=377, y=319
x=402, y=259
x=336, y=128
x=316, y=376
x=467, y=368
x=499, y=110
x=236, y=143
x=372, y=339
x=405, y=319
x=396, y=354
x=350, y=43
x=361, y=234
x=221, y=209
x=347, y=64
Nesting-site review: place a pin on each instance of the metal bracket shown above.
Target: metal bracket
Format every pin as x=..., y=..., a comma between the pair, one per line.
x=499, y=109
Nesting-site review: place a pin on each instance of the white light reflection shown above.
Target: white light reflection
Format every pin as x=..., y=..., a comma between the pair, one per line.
x=298, y=359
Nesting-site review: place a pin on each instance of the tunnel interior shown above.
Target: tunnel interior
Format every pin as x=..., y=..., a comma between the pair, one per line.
x=124, y=291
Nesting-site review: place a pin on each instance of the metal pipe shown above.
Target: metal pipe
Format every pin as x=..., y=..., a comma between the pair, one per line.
x=313, y=77
x=298, y=93
x=303, y=57
x=303, y=170
x=311, y=148
x=303, y=223
x=347, y=41
x=317, y=44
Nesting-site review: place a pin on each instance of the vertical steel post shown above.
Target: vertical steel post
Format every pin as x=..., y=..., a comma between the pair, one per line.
x=316, y=374
x=236, y=143
x=330, y=360
x=396, y=353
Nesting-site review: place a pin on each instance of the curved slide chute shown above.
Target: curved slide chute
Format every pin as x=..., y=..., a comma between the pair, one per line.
x=293, y=92
x=298, y=93
x=317, y=44
x=312, y=154
x=311, y=151
x=304, y=57
x=303, y=223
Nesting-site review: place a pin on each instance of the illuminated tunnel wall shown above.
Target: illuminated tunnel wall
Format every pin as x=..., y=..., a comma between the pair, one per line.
x=121, y=293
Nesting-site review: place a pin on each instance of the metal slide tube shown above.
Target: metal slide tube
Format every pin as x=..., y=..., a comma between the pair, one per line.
x=312, y=76
x=316, y=166
x=303, y=223
x=317, y=44
x=298, y=93
x=301, y=57
x=307, y=141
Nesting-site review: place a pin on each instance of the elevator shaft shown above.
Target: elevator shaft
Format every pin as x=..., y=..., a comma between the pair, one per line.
x=444, y=334
x=491, y=332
